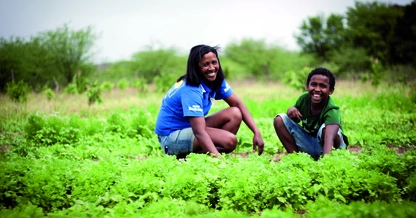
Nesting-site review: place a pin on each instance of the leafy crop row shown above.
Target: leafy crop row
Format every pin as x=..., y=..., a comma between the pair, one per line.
x=248, y=185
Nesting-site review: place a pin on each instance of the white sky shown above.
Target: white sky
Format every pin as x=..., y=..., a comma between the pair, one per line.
x=128, y=26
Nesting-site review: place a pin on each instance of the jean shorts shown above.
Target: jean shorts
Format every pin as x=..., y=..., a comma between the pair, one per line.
x=178, y=142
x=313, y=145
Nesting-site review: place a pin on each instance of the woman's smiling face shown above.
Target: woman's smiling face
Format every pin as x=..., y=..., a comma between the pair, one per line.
x=208, y=66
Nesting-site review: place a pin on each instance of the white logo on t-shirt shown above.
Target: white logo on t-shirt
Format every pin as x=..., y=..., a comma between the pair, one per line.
x=195, y=108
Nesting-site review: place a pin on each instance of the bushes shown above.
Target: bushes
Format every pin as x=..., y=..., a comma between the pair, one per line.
x=17, y=91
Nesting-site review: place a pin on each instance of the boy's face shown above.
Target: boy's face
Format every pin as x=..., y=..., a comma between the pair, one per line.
x=318, y=89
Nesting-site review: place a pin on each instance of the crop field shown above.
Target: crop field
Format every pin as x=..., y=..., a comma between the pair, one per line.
x=62, y=157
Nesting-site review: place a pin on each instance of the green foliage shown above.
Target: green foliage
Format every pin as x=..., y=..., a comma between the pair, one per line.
x=17, y=91
x=71, y=50
x=371, y=26
x=369, y=30
x=413, y=93
x=48, y=130
x=26, y=60
x=376, y=73
x=81, y=82
x=71, y=89
x=113, y=72
x=164, y=81
x=323, y=207
x=154, y=62
x=51, y=55
x=141, y=85
x=255, y=55
x=141, y=121
x=94, y=93
x=107, y=86
x=320, y=36
x=111, y=165
x=351, y=60
x=49, y=93
x=297, y=79
x=123, y=84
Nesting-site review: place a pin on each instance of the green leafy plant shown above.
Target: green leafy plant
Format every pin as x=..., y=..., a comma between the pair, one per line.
x=123, y=84
x=49, y=93
x=376, y=72
x=17, y=91
x=141, y=85
x=164, y=81
x=94, y=93
x=297, y=79
x=107, y=86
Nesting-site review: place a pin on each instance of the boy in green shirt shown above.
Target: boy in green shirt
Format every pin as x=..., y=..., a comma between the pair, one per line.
x=321, y=128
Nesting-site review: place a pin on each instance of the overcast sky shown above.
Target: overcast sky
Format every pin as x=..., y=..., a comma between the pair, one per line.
x=128, y=26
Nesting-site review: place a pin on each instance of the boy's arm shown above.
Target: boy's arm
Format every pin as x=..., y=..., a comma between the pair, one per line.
x=331, y=132
x=294, y=114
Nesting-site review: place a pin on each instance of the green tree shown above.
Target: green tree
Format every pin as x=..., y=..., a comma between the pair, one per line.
x=71, y=50
x=403, y=46
x=25, y=60
x=45, y=60
x=153, y=62
x=371, y=26
x=320, y=36
x=255, y=55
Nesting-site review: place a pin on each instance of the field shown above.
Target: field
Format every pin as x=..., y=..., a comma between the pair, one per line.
x=64, y=158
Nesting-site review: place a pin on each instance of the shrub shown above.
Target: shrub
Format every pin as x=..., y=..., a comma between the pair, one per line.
x=17, y=91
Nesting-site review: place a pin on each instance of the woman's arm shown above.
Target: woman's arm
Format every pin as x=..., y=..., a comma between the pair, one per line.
x=198, y=127
x=235, y=101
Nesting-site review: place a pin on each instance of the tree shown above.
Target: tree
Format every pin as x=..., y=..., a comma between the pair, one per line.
x=403, y=48
x=254, y=55
x=25, y=60
x=371, y=26
x=320, y=36
x=50, y=56
x=152, y=63
x=70, y=50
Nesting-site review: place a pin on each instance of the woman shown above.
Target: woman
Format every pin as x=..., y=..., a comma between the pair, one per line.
x=181, y=124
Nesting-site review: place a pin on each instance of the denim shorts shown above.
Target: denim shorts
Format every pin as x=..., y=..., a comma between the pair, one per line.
x=178, y=142
x=313, y=145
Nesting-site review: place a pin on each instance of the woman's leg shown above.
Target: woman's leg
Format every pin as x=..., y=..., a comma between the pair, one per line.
x=228, y=119
x=222, y=127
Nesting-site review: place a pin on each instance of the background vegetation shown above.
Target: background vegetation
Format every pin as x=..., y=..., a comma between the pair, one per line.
x=372, y=41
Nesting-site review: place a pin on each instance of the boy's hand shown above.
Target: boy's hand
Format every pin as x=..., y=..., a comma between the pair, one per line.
x=294, y=114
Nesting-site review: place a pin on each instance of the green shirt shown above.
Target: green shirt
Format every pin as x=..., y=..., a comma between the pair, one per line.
x=330, y=114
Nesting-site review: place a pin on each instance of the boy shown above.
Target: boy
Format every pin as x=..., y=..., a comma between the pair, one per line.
x=321, y=119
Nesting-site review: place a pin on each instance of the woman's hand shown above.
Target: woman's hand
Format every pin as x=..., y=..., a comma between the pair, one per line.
x=258, y=144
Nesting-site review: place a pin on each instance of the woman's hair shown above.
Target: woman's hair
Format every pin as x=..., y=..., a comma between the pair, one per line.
x=193, y=76
x=324, y=72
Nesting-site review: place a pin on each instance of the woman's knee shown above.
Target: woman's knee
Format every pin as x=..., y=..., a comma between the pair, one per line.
x=235, y=113
x=230, y=143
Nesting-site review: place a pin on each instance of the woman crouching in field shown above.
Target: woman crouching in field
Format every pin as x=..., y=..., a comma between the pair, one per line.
x=182, y=125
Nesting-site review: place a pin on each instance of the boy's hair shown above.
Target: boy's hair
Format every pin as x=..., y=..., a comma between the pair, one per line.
x=324, y=72
x=193, y=76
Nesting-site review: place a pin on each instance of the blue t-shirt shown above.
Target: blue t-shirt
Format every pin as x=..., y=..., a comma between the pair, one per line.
x=183, y=101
